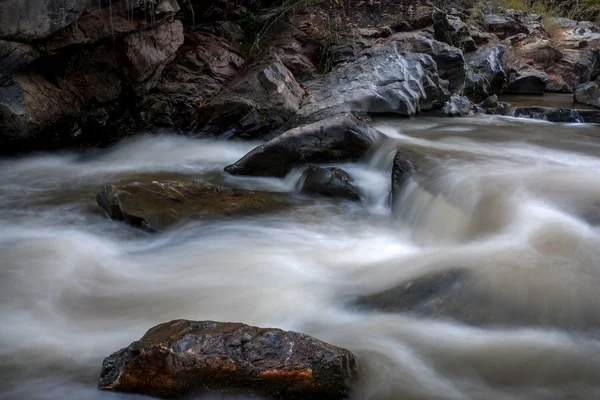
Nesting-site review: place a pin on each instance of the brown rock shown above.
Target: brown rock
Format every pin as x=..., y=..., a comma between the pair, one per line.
x=150, y=51
x=180, y=357
x=158, y=205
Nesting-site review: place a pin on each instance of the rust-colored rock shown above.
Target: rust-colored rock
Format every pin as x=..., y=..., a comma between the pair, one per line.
x=181, y=357
x=159, y=205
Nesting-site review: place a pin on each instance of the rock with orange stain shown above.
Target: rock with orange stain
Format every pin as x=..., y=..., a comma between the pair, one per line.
x=181, y=357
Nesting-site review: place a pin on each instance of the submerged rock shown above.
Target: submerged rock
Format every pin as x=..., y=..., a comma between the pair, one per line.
x=332, y=182
x=180, y=357
x=158, y=205
x=549, y=114
x=457, y=106
x=337, y=138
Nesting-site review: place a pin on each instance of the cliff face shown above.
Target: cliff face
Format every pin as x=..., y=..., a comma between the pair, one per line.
x=88, y=73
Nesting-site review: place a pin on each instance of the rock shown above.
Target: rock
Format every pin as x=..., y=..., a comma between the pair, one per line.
x=450, y=29
x=488, y=61
x=491, y=105
x=543, y=52
x=457, y=106
x=29, y=103
x=331, y=182
x=528, y=82
x=204, y=64
x=180, y=357
x=339, y=138
x=503, y=26
x=37, y=19
x=437, y=294
x=382, y=80
x=590, y=116
x=149, y=51
x=556, y=84
x=14, y=55
x=159, y=205
x=257, y=101
x=549, y=114
x=588, y=93
x=450, y=62
x=574, y=68
x=579, y=37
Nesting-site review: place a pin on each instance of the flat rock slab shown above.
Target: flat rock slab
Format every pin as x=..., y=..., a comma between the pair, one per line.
x=180, y=357
x=158, y=205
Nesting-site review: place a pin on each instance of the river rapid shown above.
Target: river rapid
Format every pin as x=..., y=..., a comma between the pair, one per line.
x=519, y=209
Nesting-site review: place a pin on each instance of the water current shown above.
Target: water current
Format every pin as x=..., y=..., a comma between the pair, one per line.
x=515, y=203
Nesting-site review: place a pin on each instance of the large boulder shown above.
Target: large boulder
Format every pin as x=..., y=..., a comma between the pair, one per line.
x=331, y=182
x=181, y=357
x=491, y=105
x=159, y=205
x=589, y=93
x=339, y=138
x=259, y=99
x=527, y=82
x=450, y=62
x=383, y=80
x=489, y=62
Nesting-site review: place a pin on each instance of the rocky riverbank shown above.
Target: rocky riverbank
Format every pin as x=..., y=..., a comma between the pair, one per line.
x=91, y=73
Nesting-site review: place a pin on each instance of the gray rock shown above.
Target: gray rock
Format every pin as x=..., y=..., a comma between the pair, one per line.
x=184, y=357
x=450, y=62
x=337, y=138
x=503, y=26
x=488, y=62
x=491, y=105
x=382, y=80
x=259, y=100
x=331, y=182
x=457, y=106
x=588, y=93
x=528, y=82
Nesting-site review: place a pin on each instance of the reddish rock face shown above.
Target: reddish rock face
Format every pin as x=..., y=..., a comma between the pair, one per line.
x=180, y=357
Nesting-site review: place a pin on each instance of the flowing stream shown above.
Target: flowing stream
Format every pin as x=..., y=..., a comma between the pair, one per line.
x=516, y=204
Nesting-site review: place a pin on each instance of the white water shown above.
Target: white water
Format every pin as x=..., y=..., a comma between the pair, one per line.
x=520, y=216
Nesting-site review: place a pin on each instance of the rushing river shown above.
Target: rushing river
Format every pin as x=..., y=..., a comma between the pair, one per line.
x=519, y=209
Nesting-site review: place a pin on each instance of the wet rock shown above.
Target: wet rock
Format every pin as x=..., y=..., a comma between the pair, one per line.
x=457, y=106
x=549, y=114
x=382, y=80
x=489, y=62
x=257, y=101
x=491, y=105
x=588, y=93
x=331, y=182
x=148, y=52
x=590, y=116
x=180, y=357
x=437, y=294
x=159, y=205
x=339, y=138
x=528, y=82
